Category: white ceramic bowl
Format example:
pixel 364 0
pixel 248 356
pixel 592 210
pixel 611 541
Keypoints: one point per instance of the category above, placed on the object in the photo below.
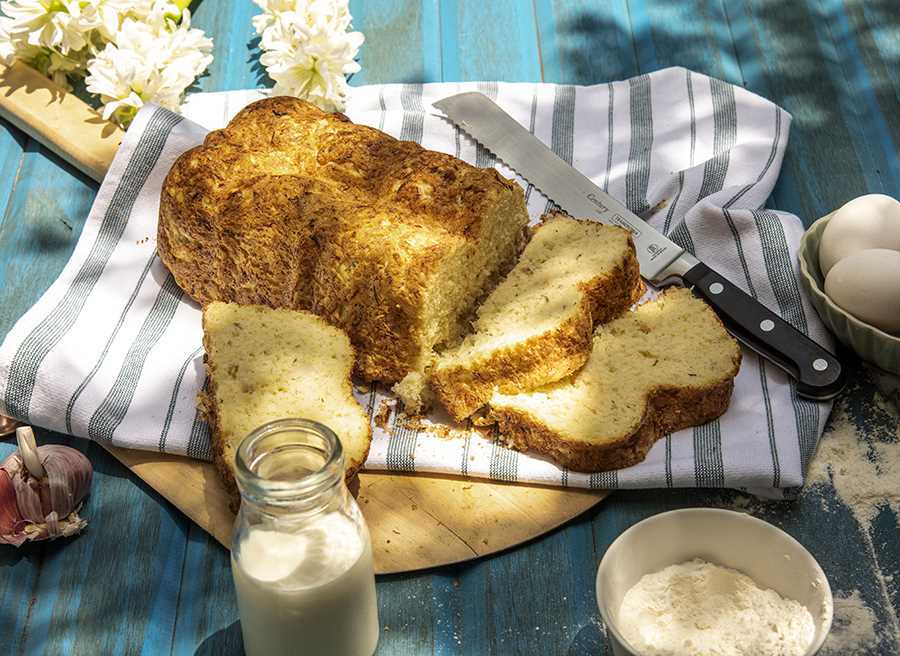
pixel 876 346
pixel 766 554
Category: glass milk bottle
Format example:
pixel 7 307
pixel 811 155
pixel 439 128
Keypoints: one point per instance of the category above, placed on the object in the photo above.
pixel 301 557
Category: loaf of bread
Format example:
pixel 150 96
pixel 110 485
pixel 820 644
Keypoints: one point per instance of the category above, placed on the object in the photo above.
pixel 667 365
pixel 536 326
pixel 265 364
pixel 291 207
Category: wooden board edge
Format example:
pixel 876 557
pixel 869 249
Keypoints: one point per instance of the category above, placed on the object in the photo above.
pixel 203 500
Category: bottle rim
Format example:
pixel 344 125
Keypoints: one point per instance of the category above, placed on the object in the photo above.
pixel 275 491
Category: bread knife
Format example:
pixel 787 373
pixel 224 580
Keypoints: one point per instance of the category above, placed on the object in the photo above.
pixel 817 371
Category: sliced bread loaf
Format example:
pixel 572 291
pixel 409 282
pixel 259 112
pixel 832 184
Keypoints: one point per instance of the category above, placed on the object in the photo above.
pixel 536 326
pixel 293 207
pixel 266 364
pixel 667 365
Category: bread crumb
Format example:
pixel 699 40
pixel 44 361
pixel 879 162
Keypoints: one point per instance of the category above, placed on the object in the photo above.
pixel 383 415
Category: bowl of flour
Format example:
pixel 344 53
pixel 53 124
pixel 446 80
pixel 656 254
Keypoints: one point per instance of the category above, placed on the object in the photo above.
pixel 711 582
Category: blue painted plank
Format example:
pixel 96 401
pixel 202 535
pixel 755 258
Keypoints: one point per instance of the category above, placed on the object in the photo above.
pixel 858 98
pixel 41 223
pixel 235 46
pixel 12 149
pixel 489 41
pixel 404 611
pixel 402 43
pixel 827 158
pixel 585 42
pixel 179 581
pixel 460 608
pixel 206 609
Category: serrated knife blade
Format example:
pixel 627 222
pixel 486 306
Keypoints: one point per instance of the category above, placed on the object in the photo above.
pixel 496 130
pixel 817 371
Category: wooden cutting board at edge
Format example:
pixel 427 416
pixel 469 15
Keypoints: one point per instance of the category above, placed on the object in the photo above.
pixel 416 521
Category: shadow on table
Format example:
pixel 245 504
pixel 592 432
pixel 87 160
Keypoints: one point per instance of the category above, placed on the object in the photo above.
pixel 831 68
pixel 224 642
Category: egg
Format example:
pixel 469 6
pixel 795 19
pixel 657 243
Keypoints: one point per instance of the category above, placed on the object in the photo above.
pixel 867 285
pixel 871 221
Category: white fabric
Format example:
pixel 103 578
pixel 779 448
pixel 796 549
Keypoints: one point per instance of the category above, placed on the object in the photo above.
pixel 112 351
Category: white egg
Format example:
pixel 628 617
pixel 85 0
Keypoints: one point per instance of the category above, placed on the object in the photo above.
pixel 871 221
pixel 867 285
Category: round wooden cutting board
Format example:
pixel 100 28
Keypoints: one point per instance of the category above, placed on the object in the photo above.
pixel 421 521
pixel 416 521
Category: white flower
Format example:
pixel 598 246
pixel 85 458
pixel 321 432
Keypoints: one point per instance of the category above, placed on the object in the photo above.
pixel 62 25
pixel 271 10
pixel 307 50
pixel 8 47
pixel 152 60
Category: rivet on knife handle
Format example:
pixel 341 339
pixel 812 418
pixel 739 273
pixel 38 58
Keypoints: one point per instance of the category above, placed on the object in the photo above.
pixel 818 372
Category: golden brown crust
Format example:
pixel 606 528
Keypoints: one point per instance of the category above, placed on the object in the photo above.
pixel 291 207
pixel 546 358
pixel 207 406
pixel 667 409
pixel 541 359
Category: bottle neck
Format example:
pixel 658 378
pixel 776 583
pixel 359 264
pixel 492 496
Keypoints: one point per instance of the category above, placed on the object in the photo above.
pixel 291 467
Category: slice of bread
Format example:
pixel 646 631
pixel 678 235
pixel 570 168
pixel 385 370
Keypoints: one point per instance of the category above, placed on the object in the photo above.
pixel 536 326
pixel 265 364
pixel 667 365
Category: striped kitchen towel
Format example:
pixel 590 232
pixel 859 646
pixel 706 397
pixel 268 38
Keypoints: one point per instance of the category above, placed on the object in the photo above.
pixel 112 351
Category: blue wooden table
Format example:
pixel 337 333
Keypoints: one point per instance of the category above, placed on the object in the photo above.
pixel 143 579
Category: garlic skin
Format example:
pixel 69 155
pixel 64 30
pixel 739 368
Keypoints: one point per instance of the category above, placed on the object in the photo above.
pixel 44 508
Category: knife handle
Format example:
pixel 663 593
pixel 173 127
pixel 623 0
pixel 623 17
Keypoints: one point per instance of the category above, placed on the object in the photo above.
pixel 817 371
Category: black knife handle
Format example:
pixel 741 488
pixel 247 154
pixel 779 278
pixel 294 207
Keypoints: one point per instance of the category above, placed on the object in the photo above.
pixel 817 371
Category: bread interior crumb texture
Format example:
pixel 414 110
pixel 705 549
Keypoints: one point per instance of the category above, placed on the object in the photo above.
pixel 267 364
pixel 544 287
pixel 674 342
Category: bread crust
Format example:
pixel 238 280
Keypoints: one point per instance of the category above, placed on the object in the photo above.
pixel 291 207
pixel 666 409
pixel 545 358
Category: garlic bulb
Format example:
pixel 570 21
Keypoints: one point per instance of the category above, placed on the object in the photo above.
pixel 41 490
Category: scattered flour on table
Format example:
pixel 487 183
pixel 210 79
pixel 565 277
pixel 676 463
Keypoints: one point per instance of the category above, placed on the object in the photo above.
pixel 864 474
pixel 853 631
pixel 701 609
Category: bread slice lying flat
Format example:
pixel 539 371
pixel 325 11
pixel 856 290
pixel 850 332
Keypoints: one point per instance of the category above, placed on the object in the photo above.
pixel 265 364
pixel 667 365
pixel 536 326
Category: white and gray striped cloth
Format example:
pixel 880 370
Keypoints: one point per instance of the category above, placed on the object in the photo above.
pixel 112 351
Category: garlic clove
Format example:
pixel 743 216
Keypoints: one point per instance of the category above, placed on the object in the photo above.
pixel 44 506
pixel 11 522
pixel 28 451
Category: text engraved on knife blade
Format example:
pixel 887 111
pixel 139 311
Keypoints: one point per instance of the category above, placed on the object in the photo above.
pixel 654 250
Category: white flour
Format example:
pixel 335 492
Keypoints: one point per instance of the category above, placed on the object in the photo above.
pixel 701 609
pixel 864 474
pixel 853 631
